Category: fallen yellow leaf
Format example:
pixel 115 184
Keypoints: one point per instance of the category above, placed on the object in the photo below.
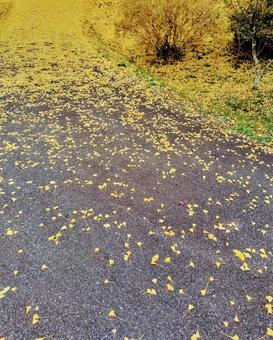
pixel 235 337
pixel 181 291
pixel 236 319
pixel 196 336
pixel 154 259
pixel 203 292
pixel 190 307
pixel 169 287
pixel 112 314
pixel 4 292
pixel 269 331
pixel 269 308
pixel 35 318
pixel 148 199
pixel 248 297
pixel 244 267
pixel 269 298
pixel 27 309
pixel 218 264
pixel 239 254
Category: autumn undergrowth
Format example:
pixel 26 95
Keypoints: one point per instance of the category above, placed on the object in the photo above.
pixel 214 87
pixel 226 96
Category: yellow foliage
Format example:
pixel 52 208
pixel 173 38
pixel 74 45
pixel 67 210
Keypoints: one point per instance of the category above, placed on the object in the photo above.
pixel 205 79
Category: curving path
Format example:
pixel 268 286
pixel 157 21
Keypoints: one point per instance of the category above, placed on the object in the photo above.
pixel 121 216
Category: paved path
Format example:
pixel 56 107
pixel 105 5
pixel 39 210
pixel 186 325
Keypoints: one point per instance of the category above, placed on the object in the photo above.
pixel 121 217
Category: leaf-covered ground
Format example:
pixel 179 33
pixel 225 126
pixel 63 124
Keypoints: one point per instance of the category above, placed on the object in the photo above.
pixel 122 217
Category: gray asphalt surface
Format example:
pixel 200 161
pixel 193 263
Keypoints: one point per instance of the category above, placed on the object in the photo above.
pixel 100 177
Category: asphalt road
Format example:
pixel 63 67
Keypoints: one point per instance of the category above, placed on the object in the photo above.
pixel 122 216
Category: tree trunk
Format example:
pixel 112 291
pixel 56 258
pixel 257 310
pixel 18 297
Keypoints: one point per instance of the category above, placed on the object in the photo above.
pixel 257 63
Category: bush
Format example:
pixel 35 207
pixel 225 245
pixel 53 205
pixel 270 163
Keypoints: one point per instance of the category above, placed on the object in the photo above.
pixel 169 29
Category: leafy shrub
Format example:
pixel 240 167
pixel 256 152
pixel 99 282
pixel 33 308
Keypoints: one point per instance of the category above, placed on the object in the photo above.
pixel 169 29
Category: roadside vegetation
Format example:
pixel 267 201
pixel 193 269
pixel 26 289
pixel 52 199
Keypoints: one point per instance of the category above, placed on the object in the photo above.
pixel 216 54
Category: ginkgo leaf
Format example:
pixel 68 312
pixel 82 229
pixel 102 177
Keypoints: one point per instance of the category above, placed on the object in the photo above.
pixel 4 292
pixel 112 314
pixel 218 264
pixel 10 232
pixel 172 171
pixel 169 287
pixel 244 267
pixel 35 318
pixel 167 260
pixel 249 298
pixel 27 309
pixel 196 336
pixel 190 307
pixel 191 264
pixel 148 199
pixel 151 291
pixel 44 266
pixel 239 254
pixel 235 337
pixel 203 292
pixel 154 259
pixel 236 319
pixel 269 298
pixel 212 237
pixel 127 255
pixel 269 332
pixel 269 308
